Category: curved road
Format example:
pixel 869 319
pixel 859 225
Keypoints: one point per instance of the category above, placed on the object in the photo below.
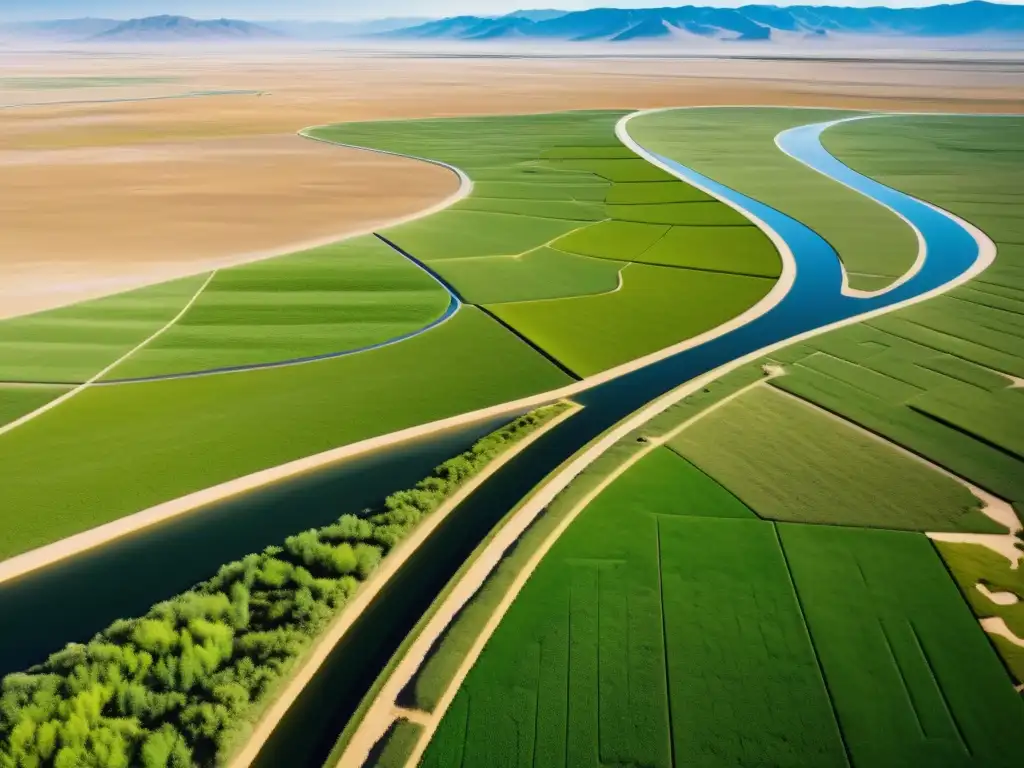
pixel 87 592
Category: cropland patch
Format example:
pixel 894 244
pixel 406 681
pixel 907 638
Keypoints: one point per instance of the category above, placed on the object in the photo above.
pixel 632 628
pixel 334 299
pixel 911 675
pixel 736 147
pixel 789 461
pixel 248 421
pixel 655 308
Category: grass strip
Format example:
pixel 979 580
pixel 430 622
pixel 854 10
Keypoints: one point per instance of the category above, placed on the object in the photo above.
pixel 397 745
pixel 182 685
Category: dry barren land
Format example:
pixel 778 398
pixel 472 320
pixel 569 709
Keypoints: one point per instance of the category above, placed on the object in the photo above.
pixel 111 181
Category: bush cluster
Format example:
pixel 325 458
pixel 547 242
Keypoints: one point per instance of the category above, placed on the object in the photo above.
pixel 182 685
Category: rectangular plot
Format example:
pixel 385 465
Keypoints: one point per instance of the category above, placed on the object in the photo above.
pixel 745 688
pixel 620 240
pixel 911 674
pixel 584 667
pixel 744 250
pixel 551 209
pixel 619 170
pixel 996 418
pixel 548 190
pixel 709 214
pixel 640 193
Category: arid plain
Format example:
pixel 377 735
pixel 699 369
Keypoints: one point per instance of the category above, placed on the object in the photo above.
pixel 128 167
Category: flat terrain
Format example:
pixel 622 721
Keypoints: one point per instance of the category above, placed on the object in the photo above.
pixel 668 626
pixel 793 463
pixel 107 195
pixel 736 147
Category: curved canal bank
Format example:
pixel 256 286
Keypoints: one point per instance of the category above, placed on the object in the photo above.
pixel 162 556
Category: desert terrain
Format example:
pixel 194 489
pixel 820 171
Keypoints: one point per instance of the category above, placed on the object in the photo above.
pixel 129 167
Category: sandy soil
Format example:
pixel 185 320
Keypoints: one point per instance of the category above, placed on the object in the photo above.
pixel 999 598
pixel 181 182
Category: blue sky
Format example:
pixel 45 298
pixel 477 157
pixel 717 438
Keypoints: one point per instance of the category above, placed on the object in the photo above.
pixel 345 9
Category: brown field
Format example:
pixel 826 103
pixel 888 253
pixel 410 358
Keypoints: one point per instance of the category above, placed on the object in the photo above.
pixel 101 196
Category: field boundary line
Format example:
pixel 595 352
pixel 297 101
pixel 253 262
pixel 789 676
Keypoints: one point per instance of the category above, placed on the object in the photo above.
pixel 52 553
pixel 375 723
pixel 97 376
pixel 368 590
pixel 996 509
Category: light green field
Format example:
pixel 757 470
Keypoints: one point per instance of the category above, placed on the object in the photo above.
pixel 630 644
pixel 788 461
pixel 162 440
pixel 543 273
pixel 736 147
pixel 623 240
pixel 971 565
pixel 656 308
pixel 911 674
pixel 16 401
pixel 332 299
pixel 73 344
pixel 700 214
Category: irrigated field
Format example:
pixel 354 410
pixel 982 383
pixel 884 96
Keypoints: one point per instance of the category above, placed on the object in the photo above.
pixel 545 215
pixel 735 146
pixel 655 308
pixel 645 638
pixel 668 627
pixel 164 439
pixel 539 178
pixel 334 299
pixel 912 677
pixel 938 377
pixel 791 462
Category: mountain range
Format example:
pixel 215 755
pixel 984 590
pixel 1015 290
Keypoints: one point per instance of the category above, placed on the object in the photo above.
pixel 977 19
pixel 751 22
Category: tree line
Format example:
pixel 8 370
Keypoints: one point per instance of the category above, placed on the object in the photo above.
pixel 182 685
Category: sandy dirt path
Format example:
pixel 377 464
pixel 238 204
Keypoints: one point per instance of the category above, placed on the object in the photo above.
pixel 384 710
pixel 366 593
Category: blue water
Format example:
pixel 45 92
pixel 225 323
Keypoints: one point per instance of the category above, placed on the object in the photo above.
pixel 816 298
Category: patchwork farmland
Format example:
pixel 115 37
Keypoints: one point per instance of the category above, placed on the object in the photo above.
pixel 745 540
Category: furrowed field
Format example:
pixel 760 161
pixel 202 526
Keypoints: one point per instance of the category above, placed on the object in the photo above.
pixel 791 462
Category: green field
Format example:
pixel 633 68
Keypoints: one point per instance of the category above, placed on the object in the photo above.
pixel 159 437
pixel 18 400
pixel 332 299
pixel 543 273
pixel 912 676
pixel 655 308
pixel 971 565
pixel 73 344
pixel 736 147
pixel 628 644
pixel 936 377
pixel 536 205
pixel 791 462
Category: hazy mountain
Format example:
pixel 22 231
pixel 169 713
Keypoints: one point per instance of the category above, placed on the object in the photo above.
pixel 61 29
pixel 536 15
pixel 182 28
pixel 335 30
pixel 752 22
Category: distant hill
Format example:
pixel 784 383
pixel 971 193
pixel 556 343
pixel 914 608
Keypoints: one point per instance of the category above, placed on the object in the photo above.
pixel 751 22
pixel 60 29
pixel 182 28
pixel 336 30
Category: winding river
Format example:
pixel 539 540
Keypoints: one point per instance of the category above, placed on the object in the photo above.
pixel 72 600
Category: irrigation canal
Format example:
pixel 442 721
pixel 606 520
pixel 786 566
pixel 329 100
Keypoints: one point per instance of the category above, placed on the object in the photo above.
pixel 74 599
